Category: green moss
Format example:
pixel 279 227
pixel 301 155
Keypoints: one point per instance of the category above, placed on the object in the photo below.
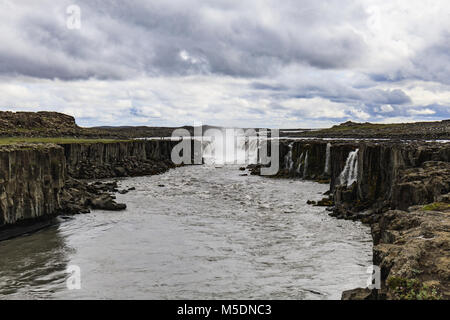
pixel 436 206
pixel 62 140
pixel 411 289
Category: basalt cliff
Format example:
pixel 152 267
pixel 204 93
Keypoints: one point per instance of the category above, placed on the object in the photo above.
pixel 402 190
pixel 40 181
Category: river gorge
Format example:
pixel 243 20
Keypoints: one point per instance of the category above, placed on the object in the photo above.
pixel 220 231
pixel 195 232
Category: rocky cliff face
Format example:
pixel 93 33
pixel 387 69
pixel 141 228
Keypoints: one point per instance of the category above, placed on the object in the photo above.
pixel 391 175
pixel 118 159
pixel 40 180
pixel 386 175
pixel 31 179
pixel 402 189
pixel 304 159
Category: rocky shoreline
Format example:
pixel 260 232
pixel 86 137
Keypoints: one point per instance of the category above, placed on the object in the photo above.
pixel 41 181
pixel 402 191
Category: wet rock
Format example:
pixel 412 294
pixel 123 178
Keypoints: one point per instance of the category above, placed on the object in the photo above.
pixel 255 169
pixel 325 202
pixel 120 171
pixel 105 202
pixel 79 197
pixel 359 294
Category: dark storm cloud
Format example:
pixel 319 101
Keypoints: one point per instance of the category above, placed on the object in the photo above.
pixel 122 39
pixel 432 64
pixel 345 58
pixel 264 86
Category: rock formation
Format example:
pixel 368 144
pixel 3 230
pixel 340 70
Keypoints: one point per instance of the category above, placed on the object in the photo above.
pixel 31 179
pixel 39 181
pixel 118 159
pixel 402 190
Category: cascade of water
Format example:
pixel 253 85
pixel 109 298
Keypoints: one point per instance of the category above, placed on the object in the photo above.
pixel 228 149
pixel 305 168
pixel 327 159
pixel 252 150
pixel 350 173
pixel 300 160
pixel 208 151
pixel 289 164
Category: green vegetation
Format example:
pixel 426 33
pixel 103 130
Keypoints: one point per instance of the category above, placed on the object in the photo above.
pixel 62 140
pixel 412 289
pixel 437 206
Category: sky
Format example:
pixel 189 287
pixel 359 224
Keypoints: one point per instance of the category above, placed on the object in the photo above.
pixel 252 63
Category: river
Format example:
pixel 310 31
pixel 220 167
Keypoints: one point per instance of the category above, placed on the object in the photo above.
pixel 195 232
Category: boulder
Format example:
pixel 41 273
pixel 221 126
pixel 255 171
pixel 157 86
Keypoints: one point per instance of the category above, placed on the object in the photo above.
pixel 359 294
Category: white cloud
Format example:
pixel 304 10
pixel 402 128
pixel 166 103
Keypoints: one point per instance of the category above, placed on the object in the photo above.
pixel 421 111
pixel 252 63
pixel 386 108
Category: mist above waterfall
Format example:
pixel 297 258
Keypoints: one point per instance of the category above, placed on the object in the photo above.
pixel 230 146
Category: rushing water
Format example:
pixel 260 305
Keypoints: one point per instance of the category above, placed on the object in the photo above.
pixel 195 232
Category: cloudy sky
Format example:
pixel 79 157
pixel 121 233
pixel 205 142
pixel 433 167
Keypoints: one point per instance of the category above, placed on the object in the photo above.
pixel 268 63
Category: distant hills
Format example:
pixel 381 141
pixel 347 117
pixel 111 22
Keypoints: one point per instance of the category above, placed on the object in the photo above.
pixel 55 124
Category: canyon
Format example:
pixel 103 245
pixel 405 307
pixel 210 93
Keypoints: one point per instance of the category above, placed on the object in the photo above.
pixel 40 181
pixel 400 188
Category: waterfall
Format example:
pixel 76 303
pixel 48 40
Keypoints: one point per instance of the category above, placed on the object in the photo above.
pixel 208 151
pixel 251 150
pixel 327 159
pixel 299 167
pixel 350 172
pixel 289 164
pixel 230 149
pixel 305 168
